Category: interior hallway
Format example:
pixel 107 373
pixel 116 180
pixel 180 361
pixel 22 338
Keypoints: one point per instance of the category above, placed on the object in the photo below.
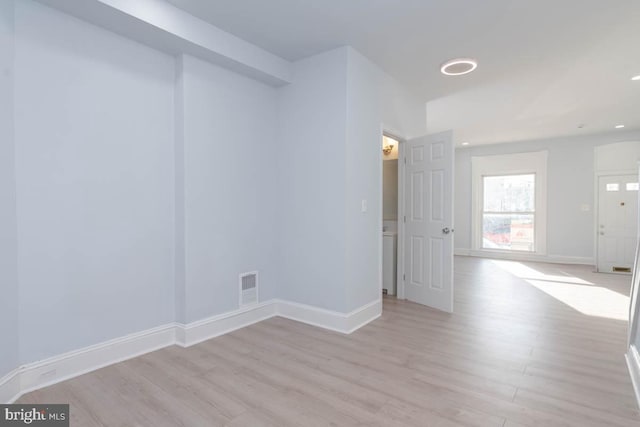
pixel 529 344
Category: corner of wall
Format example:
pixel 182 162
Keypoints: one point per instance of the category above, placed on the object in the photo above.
pixel 311 175
pixel 179 196
pixel 9 302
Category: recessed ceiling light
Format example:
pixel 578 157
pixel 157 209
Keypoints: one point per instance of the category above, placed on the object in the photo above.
pixel 619 126
pixel 458 66
pixel 635 78
pixel 465 143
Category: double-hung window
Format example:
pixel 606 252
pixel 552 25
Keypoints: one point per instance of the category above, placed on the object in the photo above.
pixel 509 212
pixel 509 203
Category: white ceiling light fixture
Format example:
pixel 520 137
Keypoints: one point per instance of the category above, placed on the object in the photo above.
pixel 465 143
pixel 635 78
pixel 458 66
pixel 619 126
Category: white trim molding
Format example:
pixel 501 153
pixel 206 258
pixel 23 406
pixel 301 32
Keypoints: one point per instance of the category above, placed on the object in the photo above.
pixel 205 329
pixel 10 387
pixel 525 256
pixel 74 363
pixel 59 368
pixel 345 323
pixel 633 362
pixel 363 315
pixel 510 164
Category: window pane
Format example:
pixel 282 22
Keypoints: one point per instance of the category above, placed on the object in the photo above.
pixel 632 186
pixel 511 193
pixel 613 187
pixel 508 231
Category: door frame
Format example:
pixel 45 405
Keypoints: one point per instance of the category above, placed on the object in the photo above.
pixel 596 207
pixel 402 162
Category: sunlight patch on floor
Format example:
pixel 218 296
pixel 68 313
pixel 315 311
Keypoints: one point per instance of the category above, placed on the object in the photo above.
pixel 589 300
pixel 579 294
pixel 525 272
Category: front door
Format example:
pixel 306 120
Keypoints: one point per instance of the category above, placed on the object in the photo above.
pixel 428 240
pixel 617 223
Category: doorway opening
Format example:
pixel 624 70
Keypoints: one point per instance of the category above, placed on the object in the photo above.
pixel 421 225
pixel 390 209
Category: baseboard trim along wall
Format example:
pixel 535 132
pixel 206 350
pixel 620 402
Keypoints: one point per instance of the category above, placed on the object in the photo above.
pixel 554 259
pixel 59 368
pixel 633 362
pixel 10 387
pixel 205 329
pixel 345 323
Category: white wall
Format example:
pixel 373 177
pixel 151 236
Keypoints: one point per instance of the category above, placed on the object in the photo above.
pixel 179 250
pixel 331 120
pixel 570 177
pixel 610 159
pixel 94 163
pixel 170 29
pixel 311 173
pixel 375 103
pixel 363 180
pixel 145 184
pixel 8 239
pixel 230 193
pixel 403 113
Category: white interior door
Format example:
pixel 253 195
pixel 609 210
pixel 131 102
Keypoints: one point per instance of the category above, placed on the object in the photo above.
pixel 617 223
pixel 428 239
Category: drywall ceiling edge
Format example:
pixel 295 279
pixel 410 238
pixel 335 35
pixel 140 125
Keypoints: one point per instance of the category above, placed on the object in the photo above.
pixel 162 26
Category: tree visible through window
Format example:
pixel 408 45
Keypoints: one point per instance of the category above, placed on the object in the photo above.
pixel 508 213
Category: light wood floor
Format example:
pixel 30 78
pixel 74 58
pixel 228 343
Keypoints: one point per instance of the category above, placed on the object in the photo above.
pixel 511 355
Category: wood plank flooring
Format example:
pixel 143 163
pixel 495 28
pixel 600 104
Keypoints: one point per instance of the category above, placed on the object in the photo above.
pixel 511 355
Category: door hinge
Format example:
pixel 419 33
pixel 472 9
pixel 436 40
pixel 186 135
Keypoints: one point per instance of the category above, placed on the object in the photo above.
pixel 405 160
pixel 404 277
pixel 404 219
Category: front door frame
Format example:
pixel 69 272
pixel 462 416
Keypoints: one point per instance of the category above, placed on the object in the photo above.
pixel 596 205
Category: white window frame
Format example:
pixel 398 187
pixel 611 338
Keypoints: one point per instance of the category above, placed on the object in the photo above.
pixel 532 213
pixel 510 164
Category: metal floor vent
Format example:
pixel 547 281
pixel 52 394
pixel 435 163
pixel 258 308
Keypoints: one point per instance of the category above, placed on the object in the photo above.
pixel 621 270
pixel 248 288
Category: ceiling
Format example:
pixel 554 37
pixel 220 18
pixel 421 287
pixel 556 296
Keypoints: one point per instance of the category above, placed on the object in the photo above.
pixel 545 66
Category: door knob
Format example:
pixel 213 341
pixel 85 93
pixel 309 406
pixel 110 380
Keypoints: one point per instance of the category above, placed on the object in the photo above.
pixel 446 230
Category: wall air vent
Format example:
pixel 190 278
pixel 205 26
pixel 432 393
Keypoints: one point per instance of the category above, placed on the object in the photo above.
pixel 248 288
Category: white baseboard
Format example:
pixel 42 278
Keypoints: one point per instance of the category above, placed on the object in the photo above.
pixel 10 387
pixel 527 257
pixel 75 363
pixel 633 362
pixel 202 330
pixel 50 371
pixel 345 323
pixel 363 315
